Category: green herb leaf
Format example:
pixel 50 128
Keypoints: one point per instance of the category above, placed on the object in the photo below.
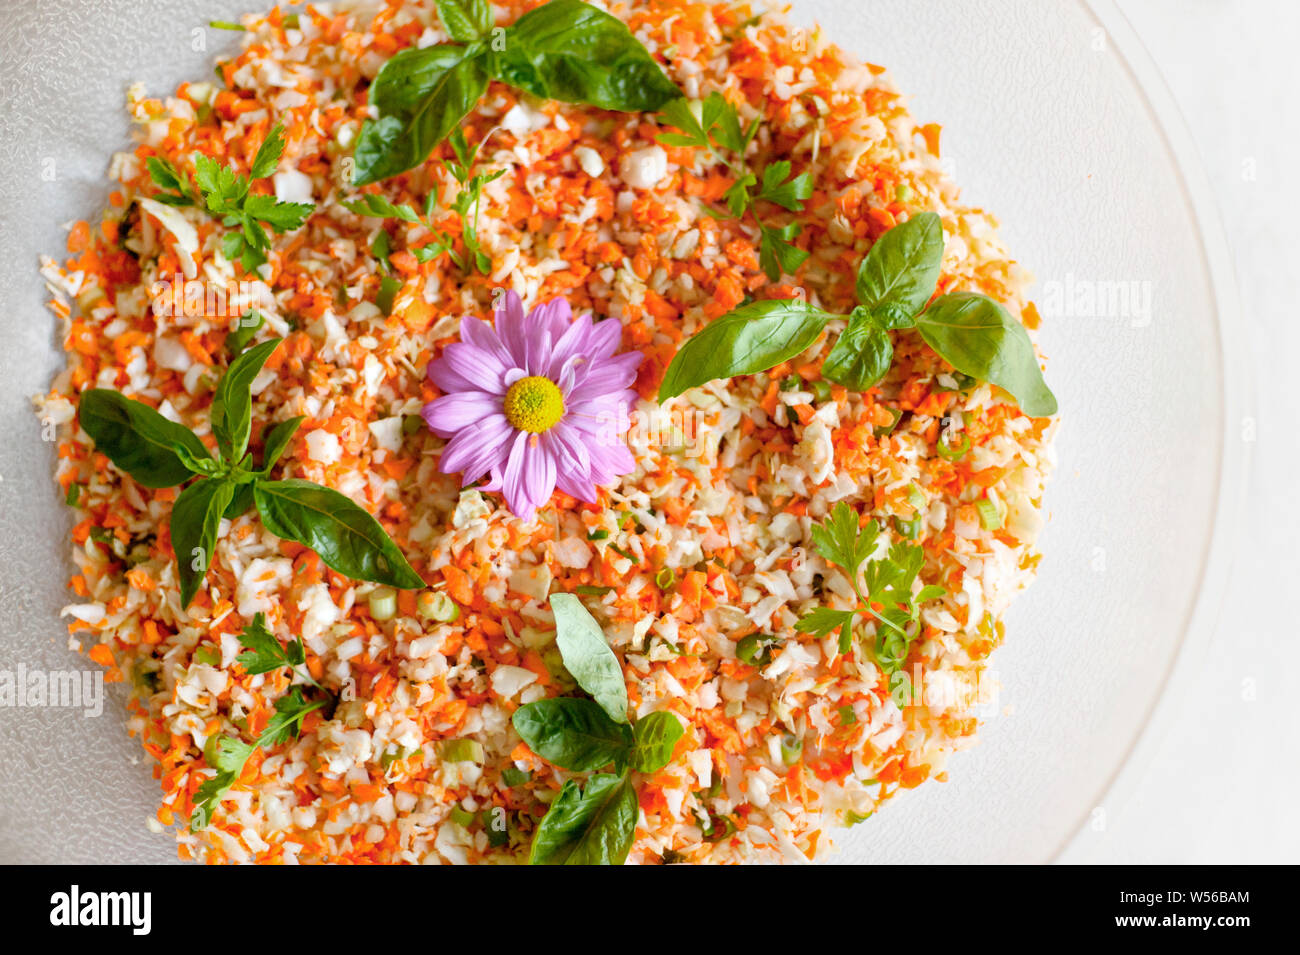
pixel 655 736
pixel 344 534
pixel 594 826
pixel 978 337
pixel 587 655
pixel 176 186
pixel 839 540
pixel 268 155
pixel 231 412
pixel 421 96
pixel 751 339
pixel 574 734
pixel 227 755
pixel 900 272
pixel 138 439
pixel 285 725
pixel 263 651
pixel 787 194
pixel 572 51
pixel 196 517
pixel 249 325
pixel 277 439
pixel 465 20
pixel 861 355
pixel 777 255
pixel 822 620
pixel 375 205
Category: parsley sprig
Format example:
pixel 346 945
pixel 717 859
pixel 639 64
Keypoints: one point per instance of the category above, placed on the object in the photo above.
pixel 229 754
pixel 718 130
pixel 228 196
pixel 885 582
pixel 466 205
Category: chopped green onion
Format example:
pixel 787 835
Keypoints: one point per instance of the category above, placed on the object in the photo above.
pixel 461 817
pixel 791 383
pixel 990 519
pixel 821 389
pixel 755 649
pixel 388 288
pixel 513 776
pixel 462 751
pixel 599 534
pixel 950 453
pixel 909 528
pixel 665 578
pixel 411 424
pixel 847 716
pixel 590 590
pixel 291 21
pixel 225 25
pixel 900 688
pixel 888 428
pixel 435 605
pixel 383 603
pixel 791 749
pixel 209 655
pixel 852 818
pixel 496 837
pixel 916 497
pixel 74 495
pixel 902 192
pixel 622 553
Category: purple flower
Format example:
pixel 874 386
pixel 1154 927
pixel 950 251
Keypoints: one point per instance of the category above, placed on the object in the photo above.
pixel 537 403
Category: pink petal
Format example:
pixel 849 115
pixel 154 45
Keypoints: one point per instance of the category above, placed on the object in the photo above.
pixel 572 464
pixel 605 376
pixel 512 481
pixel 476 449
pixel 569 345
pixel 481 335
pixel 447 415
pixel 510 327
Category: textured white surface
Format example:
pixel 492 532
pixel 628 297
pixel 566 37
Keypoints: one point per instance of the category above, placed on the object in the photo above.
pixel 1221 786
pixel 1042 124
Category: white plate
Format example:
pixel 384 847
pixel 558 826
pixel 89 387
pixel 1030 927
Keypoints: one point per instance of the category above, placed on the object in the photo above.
pixel 1052 117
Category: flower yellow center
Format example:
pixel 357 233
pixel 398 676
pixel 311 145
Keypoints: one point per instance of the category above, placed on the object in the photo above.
pixel 534 404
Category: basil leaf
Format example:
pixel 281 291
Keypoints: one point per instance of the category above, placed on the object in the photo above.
pixel 421 95
pixel 277 439
pixel 241 502
pixel 465 20
pixel 231 411
pixel 344 534
pixel 573 734
pixel 247 326
pixel 751 339
pixel 978 337
pixel 587 655
pixel 196 517
pixel 901 270
pixel 591 827
pixel 655 736
pixel 862 354
pixel 571 51
pixel 138 439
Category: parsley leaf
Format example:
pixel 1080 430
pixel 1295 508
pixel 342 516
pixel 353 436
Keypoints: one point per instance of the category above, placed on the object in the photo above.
pixel 888 580
pixel 226 196
pixel 264 652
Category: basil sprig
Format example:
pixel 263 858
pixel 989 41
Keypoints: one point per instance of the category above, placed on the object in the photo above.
pixel 594 825
pixel 159 453
pixel 970 331
pixel 566 50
